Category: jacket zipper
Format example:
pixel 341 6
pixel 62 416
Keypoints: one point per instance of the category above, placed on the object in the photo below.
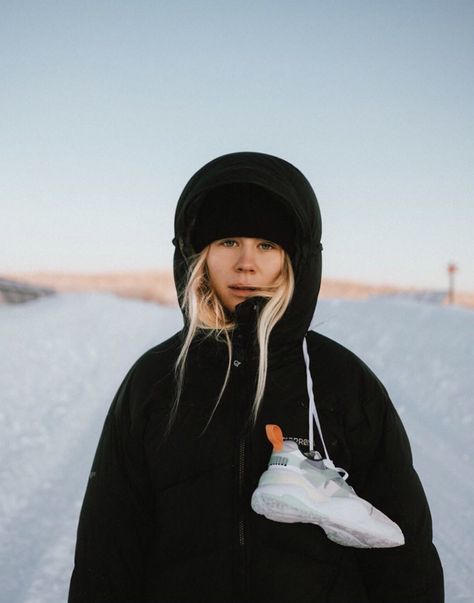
pixel 241 486
pixel 243 587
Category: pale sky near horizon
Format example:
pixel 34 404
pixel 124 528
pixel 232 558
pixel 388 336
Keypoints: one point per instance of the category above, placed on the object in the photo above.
pixel 108 107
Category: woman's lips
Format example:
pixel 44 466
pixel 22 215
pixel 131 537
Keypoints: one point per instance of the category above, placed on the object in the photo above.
pixel 241 290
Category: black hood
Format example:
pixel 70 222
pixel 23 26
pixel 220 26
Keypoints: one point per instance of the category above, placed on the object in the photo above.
pixel 288 183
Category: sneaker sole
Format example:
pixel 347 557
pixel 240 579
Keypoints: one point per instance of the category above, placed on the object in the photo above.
pixel 346 521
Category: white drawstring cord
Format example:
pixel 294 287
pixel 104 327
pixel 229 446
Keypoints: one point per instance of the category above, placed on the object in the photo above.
pixel 312 411
pixel 313 415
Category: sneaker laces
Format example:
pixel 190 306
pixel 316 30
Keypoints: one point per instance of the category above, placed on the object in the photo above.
pixel 313 417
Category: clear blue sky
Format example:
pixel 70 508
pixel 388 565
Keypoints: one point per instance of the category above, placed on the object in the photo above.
pixel 108 107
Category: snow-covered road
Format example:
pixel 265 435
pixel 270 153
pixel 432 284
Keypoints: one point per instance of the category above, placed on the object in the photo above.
pixel 62 359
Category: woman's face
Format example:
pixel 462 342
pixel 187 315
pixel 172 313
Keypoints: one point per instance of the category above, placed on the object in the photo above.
pixel 242 267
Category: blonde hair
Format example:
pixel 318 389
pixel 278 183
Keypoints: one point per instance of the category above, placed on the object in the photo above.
pixel 205 312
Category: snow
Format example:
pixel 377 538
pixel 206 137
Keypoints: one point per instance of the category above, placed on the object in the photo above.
pixel 63 357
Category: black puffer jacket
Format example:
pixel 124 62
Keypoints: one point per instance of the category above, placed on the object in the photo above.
pixel 168 518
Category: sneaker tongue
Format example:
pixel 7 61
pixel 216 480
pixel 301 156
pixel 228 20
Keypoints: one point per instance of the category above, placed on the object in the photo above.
pixel 290 445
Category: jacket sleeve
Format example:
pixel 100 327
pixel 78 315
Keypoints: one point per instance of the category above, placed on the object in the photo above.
pixel 116 521
pixel 410 573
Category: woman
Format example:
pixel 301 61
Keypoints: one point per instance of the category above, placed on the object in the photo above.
pixel 167 515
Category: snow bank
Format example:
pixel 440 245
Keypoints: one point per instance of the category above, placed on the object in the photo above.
pixel 62 359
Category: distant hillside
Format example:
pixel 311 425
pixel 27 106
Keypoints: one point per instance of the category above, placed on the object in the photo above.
pixel 158 286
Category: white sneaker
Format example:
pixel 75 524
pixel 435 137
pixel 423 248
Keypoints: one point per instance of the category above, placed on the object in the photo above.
pixel 296 488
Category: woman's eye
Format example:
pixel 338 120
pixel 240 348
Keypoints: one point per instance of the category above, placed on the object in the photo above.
pixel 266 246
pixel 228 242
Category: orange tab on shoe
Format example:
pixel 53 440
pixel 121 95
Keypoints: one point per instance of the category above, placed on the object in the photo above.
pixel 275 435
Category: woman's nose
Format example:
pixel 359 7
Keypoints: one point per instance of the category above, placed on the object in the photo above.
pixel 245 261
